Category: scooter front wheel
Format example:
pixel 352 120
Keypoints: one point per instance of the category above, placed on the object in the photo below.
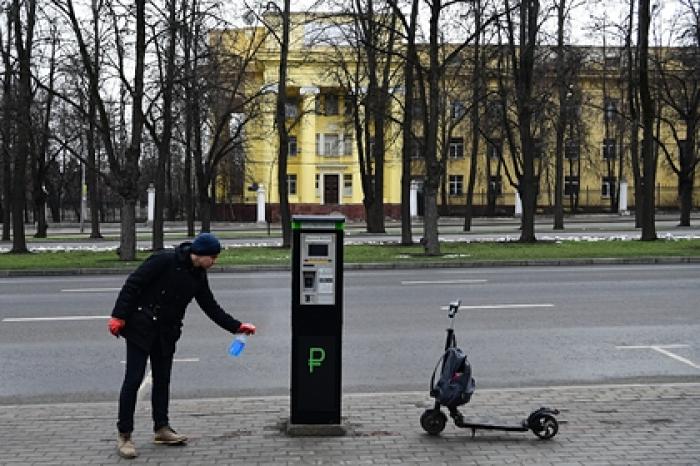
pixel 433 421
pixel 545 426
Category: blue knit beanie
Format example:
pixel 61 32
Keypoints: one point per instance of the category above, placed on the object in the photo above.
pixel 206 244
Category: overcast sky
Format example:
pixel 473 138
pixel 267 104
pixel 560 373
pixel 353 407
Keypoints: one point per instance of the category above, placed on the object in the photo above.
pixel 582 21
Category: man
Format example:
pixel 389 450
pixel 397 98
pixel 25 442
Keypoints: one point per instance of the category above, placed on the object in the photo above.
pixel 148 314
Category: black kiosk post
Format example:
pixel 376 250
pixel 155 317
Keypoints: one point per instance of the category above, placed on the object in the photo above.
pixel 317 324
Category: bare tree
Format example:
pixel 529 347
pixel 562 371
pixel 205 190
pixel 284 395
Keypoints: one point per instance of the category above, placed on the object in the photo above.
pixel 431 84
pixel 24 23
pixel 408 138
pixel 478 97
pixel 124 169
pixel 41 154
pixel 680 91
pixel 162 139
pixel 368 80
pixel 517 69
pixel 91 135
pixel 7 128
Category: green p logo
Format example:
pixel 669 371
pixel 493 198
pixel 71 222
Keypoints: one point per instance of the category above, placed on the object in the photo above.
pixel 316 357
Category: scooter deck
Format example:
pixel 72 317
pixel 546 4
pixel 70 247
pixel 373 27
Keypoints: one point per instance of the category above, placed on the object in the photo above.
pixel 491 424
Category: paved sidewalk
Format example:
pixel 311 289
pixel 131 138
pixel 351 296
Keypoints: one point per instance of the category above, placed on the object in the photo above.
pixel 613 424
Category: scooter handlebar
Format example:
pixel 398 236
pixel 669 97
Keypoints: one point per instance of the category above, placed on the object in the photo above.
pixel 453 308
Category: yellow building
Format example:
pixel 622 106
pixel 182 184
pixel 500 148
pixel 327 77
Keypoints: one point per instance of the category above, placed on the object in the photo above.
pixel 323 171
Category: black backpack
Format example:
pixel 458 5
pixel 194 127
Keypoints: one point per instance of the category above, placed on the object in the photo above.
pixel 456 384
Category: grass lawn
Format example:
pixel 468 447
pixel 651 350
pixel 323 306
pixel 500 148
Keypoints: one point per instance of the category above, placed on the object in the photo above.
pixel 451 252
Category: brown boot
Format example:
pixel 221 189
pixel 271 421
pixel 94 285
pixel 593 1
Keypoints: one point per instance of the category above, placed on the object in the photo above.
pixel 125 446
pixel 166 435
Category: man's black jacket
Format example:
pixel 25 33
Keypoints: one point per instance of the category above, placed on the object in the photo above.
pixel 154 298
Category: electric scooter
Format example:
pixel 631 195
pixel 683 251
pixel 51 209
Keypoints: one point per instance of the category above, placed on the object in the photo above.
pixel 542 422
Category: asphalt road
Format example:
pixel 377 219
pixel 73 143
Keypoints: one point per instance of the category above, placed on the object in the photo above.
pixel 526 326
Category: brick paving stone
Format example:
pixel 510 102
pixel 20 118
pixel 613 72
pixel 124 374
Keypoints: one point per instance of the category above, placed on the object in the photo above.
pixel 601 425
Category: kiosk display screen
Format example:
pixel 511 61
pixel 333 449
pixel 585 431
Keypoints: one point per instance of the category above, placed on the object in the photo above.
pixel 318 250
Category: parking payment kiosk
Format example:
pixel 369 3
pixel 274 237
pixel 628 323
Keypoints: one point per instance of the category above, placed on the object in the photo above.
pixel 317 320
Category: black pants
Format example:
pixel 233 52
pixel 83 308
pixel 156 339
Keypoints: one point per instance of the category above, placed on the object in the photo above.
pixel 161 366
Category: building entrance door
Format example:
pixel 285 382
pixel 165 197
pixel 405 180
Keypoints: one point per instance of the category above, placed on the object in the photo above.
pixel 330 189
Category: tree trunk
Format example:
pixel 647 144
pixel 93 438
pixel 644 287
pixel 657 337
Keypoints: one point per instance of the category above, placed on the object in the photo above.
pixel 6 130
pixel 92 136
pixel 22 150
pixel 686 177
pixel 407 133
pixel 476 103
pixel 647 106
pixel 431 243
pixel 127 223
pixel 204 212
pixel 433 169
pixel 166 134
pixel 283 139
pixel 528 182
pixel 561 121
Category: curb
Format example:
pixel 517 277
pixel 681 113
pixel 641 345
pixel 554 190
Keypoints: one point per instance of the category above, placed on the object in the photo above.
pixel 382 266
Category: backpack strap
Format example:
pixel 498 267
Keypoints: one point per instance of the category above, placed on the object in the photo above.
pixel 437 364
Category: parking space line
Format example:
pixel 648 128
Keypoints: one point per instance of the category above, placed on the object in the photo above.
pixel 500 306
pixel 51 319
pixel 664 349
pixel 90 290
pixel 441 282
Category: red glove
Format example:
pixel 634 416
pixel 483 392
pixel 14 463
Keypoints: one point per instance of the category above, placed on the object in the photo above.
pixel 115 326
pixel 248 329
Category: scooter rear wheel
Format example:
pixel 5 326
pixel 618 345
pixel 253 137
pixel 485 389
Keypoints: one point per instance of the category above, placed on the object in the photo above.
pixel 433 421
pixel 546 426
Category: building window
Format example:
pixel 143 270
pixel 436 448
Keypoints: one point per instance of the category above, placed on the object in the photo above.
pixel 495 185
pixel 347 184
pixel 609 148
pixel 347 144
pixel 348 107
pixel 331 104
pixel 292 184
pixel 571 185
pixel 494 148
pixel 291 108
pixel 608 186
pixel 457 110
pixel 456 148
pixel 328 144
pixel 610 109
pixel 456 182
pixel 572 150
pixel 292 146
pixel 317 185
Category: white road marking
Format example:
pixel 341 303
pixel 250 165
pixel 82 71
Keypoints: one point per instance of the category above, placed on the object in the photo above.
pixel 90 290
pixel 145 387
pixel 147 384
pixel 441 282
pixel 501 306
pixel 663 349
pixel 52 319
pixel 177 360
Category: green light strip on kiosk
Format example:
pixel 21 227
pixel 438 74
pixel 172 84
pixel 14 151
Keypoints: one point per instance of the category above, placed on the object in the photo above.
pixel 297 225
